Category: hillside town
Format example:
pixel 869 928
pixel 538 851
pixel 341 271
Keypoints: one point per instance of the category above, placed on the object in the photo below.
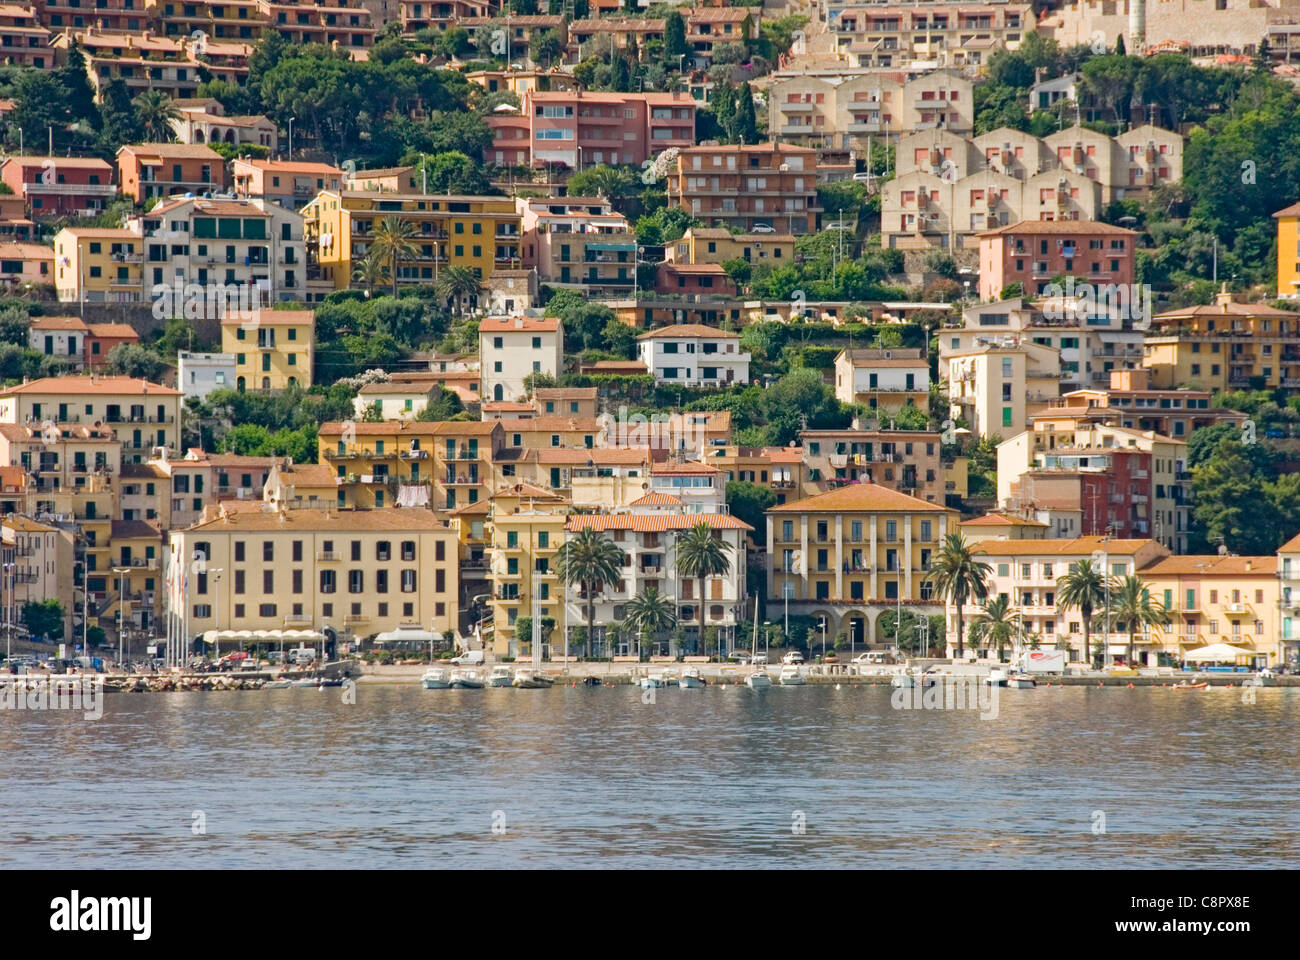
pixel 619 330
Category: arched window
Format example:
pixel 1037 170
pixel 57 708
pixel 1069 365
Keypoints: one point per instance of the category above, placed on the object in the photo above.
pixel 498 393
pixel 239 384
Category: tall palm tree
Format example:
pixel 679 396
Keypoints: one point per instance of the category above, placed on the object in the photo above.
pixel 591 562
pixel 370 270
pixel 997 623
pixel 650 614
pixel 456 284
pixel 1131 604
pixel 393 239
pixel 702 555
pixel 959 577
pixel 154 109
pixel 1083 588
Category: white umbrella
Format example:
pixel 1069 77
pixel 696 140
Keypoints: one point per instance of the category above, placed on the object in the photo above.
pixel 1215 652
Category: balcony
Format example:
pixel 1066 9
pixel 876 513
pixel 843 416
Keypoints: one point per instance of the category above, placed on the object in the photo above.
pixel 327 556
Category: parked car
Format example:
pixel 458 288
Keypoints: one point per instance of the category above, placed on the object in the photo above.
pixel 740 656
pixel 762 228
pixel 760 659
pixel 864 177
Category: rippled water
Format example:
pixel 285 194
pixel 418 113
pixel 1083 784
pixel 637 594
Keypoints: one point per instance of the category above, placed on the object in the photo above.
pixel 594 776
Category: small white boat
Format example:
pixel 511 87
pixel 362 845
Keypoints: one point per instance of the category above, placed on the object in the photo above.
pixel 277 685
pixel 501 676
pixel 791 676
pixel 691 679
pixel 532 680
pixel 996 678
pixel 306 682
pixel 466 680
pixel 435 679
pixel 758 681
pixel 654 681
pixel 1021 681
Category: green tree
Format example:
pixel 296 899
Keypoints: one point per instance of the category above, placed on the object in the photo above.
pixel 133 360
pixel 996 624
pixel 702 555
pixel 801 396
pixel 44 619
pixel 546 47
pixel 457 284
pixel 649 615
pixel 675 37
pixel 80 102
pixel 749 502
pixel 592 563
pixel 155 110
pixel 959 577
pixel 394 240
pixel 745 122
pixel 1131 605
pixel 1082 588
pixel 453 172
pixel 370 270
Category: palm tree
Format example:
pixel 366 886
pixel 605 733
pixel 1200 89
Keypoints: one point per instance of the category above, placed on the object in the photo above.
pixel 456 284
pixel 959 577
pixel 1131 604
pixel 154 109
pixel 393 240
pixel 702 555
pixel 1084 589
pixel 998 624
pixel 592 562
pixel 370 271
pixel 650 614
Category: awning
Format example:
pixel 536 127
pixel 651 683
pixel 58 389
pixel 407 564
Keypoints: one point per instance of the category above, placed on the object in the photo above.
pixel 405 634
pixel 1217 651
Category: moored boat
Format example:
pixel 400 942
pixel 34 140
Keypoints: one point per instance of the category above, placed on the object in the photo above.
pixel 691 679
pixel 791 676
pixel 758 681
pixel 466 680
pixel 653 681
pixel 435 679
pixel 1188 685
pixel 996 678
pixel 1021 681
pixel 501 676
pixel 531 680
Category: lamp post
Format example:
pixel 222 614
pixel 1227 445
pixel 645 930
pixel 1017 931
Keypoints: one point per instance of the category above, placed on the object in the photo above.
pixel 291 119
pixel 121 614
pixel 85 606
pixel 8 605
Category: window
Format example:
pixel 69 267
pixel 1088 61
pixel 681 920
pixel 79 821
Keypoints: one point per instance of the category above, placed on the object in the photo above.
pixel 327 581
pixel 408 581
pixel 356 581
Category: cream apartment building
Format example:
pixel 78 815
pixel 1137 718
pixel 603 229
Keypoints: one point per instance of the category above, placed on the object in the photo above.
pixel 512 348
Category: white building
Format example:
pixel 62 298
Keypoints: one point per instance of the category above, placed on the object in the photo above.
pixel 699 487
pixel 62 337
pixel 256 244
pixel 400 400
pixel 511 348
pixel 885 378
pixel 693 355
pixel 647 534
pixel 198 374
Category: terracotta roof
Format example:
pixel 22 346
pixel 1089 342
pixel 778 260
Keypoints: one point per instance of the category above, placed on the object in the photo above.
pixel 236 460
pixel 1077 547
pixel 1291 546
pixel 1212 565
pixel 26 524
pixel 565 393
pixel 88 384
pixel 784 454
pixel 527 491
pixel 679 330
pixel 653 523
pixel 658 500
pixel 1233 309
pixel 26 251
pixel 483 507
pixel 615 366
pixel 505 406
pixel 401 387
pixel 1291 211
pixel 670 467
pixel 1058 226
pixel 310 475
pixel 550 425
pixel 518 325
pixel 861 498
pixel 284 166
pixel 136 530
pixel 397 519
pixel 171 151
pixel 1000 520
pixel 266 318
pixel 465 428
pixel 59 323
pixel 90 163
pixel 117 330
pixel 611 456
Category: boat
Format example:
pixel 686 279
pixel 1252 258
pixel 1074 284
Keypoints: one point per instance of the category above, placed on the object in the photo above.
pixel 466 680
pixel 501 676
pixel 653 681
pixel 1188 685
pixel 902 680
pixel 531 680
pixel 592 682
pixel 996 678
pixel 791 676
pixel 305 682
pixel 691 679
pixel 277 685
pixel 1021 681
pixel 758 681
pixel 330 682
pixel 435 679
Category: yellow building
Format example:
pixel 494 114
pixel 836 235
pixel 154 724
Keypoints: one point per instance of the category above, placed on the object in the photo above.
pixel 1224 346
pixel 526 529
pixel 846 556
pixel 98 265
pixel 144 415
pixel 313 486
pixel 361 571
pixel 135 579
pixel 481 233
pixel 273 348
pixel 715 245
pixel 1288 251
pixel 1216 600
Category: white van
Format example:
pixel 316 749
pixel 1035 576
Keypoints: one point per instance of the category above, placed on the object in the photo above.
pixel 302 655
pixel 472 658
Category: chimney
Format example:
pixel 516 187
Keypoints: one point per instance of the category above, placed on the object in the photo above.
pixel 1248 566
pixel 1223 298
pixel 519 323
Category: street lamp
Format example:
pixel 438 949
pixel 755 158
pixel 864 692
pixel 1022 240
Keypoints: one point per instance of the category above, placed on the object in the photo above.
pixel 121 613
pixel 8 604
pixel 85 606
pixel 291 119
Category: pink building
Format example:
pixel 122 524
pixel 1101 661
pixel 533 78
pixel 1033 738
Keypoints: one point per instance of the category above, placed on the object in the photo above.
pixel 60 186
pixel 580 129
pixel 578 243
pixel 1034 252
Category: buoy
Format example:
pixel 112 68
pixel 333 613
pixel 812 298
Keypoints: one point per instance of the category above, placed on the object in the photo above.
pixel 1130 686
pixel 1100 684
